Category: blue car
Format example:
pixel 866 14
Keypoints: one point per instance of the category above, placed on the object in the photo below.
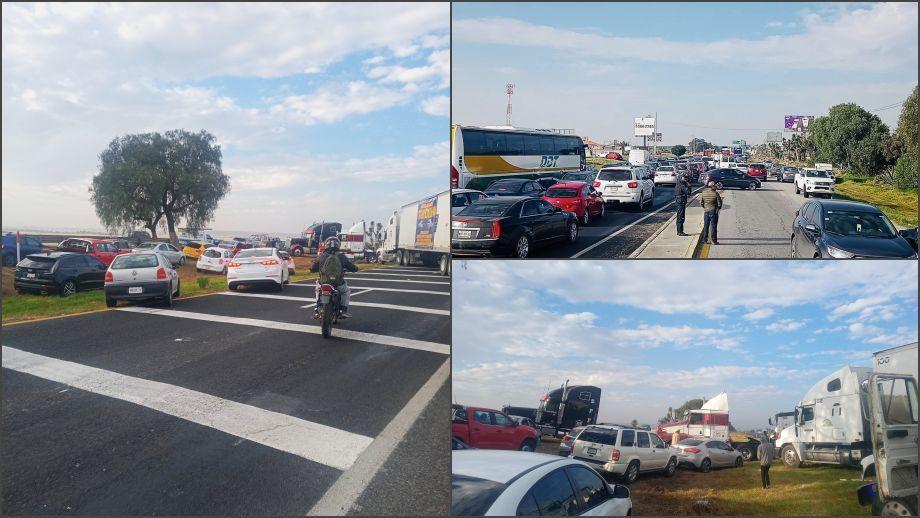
pixel 27 245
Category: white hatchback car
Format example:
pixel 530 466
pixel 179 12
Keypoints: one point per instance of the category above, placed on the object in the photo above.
pixel 141 276
pixel 509 483
pixel 214 259
pixel 626 185
pixel 257 266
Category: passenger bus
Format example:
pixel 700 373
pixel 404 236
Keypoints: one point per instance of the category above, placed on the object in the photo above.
pixel 481 155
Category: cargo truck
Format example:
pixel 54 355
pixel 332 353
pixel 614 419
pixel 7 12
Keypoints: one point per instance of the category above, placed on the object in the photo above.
pixel 710 422
pixel 419 232
pixel 567 407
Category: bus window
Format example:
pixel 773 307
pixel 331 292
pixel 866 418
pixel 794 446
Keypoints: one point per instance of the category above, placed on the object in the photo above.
pixel 532 145
pixel 514 143
pixel 495 143
pixel 546 145
pixel 562 146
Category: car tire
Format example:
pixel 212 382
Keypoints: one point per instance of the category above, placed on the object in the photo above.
pixel 586 218
pixel 572 234
pixel 739 462
pixel 706 466
pixel 68 288
pixel 719 186
pixel 528 445
pixel 746 452
pixel 752 185
pixel 168 299
pixel 232 287
pixel 632 473
pixel 790 457
pixel 178 288
pixel 603 211
pixel 521 247
pixel 797 188
pixel 182 261
pixel 110 302
pixel 671 468
pixel 805 193
pixel 640 207
pixel 297 252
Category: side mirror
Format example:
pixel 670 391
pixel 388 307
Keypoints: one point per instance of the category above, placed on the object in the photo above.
pixel 619 491
pixel 811 228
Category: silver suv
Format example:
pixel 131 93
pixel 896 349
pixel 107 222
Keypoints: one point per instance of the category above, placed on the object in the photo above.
pixel 626 185
pixel 624 452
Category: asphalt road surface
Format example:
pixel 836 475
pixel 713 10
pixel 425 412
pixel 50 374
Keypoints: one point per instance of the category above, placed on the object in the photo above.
pixel 758 223
pixel 234 404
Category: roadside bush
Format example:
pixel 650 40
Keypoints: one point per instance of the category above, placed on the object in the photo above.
pixel 905 174
pixel 203 282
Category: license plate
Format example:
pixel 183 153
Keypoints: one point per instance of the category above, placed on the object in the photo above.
pixel 464 234
pixel 30 275
pixel 613 188
pixel 324 299
pixel 135 290
pixel 592 451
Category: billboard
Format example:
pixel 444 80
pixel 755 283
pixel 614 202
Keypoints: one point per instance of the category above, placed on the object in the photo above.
pixel 775 136
pixel 798 122
pixel 426 223
pixel 644 126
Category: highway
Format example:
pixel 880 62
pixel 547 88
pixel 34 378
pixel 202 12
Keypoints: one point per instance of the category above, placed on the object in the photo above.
pixel 233 404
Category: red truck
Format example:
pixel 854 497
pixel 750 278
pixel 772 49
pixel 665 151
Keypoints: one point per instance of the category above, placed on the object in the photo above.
pixel 490 429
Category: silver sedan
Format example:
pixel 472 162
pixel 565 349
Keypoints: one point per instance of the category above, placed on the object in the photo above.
pixel 175 256
pixel 705 454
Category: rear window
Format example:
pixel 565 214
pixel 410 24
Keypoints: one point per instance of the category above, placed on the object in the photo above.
pixel 128 261
pixel 470 496
pixel 42 263
pixel 145 246
pixel 759 167
pixel 484 209
pixel 615 175
pixel 212 253
pixel 690 442
pixel 505 186
pixel 254 252
pixel 608 437
pixel 666 168
pixel 562 193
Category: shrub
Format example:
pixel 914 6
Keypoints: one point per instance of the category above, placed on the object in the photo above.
pixel 203 282
pixel 905 174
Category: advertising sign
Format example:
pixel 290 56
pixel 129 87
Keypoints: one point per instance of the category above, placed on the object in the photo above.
pixel 798 122
pixel 775 136
pixel 427 223
pixel 644 126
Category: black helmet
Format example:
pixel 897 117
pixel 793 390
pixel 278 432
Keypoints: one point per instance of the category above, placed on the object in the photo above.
pixel 333 244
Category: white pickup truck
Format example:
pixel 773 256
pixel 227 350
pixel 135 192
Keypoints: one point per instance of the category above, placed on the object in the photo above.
pixel 814 182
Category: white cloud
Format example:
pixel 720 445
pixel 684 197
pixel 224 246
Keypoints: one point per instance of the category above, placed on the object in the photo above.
pixel 784 325
pixel 332 104
pixel 759 314
pixel 438 106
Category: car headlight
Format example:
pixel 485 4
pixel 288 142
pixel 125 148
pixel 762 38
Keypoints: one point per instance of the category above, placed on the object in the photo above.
pixel 838 253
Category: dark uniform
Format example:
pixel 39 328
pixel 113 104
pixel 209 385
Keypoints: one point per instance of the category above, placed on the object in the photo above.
pixel 681 195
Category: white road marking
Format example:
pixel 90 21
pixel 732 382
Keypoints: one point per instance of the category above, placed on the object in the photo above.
pixel 416 309
pixel 621 230
pixel 394 341
pixel 396 280
pixel 313 441
pixel 375 273
pixel 266 296
pixel 341 497
pixel 376 288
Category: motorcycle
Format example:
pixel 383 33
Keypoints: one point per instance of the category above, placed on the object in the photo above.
pixel 328 308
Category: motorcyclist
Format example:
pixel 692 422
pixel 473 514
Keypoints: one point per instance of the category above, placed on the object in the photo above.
pixel 328 273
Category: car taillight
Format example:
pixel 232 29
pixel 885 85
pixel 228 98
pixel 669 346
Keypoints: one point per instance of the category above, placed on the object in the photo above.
pixel 614 455
pixel 632 185
pixel 109 277
pixel 692 450
pixel 327 289
pixel 496 229
pixel 454 177
pixel 234 264
pixel 597 184
pixel 161 273
pixel 269 262
pixel 567 438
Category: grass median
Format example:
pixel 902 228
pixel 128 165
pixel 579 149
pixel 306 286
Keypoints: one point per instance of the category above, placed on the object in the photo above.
pixel 898 204
pixel 25 307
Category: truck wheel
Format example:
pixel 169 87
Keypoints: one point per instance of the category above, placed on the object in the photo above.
pixel 746 452
pixel 897 507
pixel 443 265
pixel 297 252
pixel 528 445
pixel 632 473
pixel 400 258
pixel 790 457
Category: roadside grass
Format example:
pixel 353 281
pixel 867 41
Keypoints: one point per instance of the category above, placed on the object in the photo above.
pixel 24 307
pixel 898 204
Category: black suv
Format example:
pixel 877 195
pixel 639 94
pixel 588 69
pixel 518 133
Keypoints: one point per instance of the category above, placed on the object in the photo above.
pixel 63 273
pixel 732 178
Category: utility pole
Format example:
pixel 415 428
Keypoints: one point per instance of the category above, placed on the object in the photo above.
pixel 509 89
pixel 655 136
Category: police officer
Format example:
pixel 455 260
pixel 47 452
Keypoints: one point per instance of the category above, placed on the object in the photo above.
pixel 681 194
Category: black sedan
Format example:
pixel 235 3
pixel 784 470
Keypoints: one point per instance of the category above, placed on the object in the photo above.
pixel 510 226
pixel 515 187
pixel 732 178
pixel 580 176
pixel 845 229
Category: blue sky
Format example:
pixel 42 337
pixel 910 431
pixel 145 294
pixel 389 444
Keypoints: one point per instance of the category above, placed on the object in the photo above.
pixel 719 71
pixel 653 334
pixel 330 111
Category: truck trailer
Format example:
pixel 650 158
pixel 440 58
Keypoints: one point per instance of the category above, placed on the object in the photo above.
pixel 567 407
pixel 711 422
pixel 419 232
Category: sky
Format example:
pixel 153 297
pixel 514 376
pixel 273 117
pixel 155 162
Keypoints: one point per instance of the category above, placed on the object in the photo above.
pixel 654 334
pixel 323 112
pixel 715 71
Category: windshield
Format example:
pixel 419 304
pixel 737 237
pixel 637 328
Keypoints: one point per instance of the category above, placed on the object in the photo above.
pixel 562 193
pixel 254 252
pixel 666 168
pixel 813 173
pixel 471 496
pixel 504 186
pixel 615 175
pixel 484 209
pixel 863 224
pixel 898 397
pixel 576 176
pixel 37 262
pixel 146 246
pixel 124 262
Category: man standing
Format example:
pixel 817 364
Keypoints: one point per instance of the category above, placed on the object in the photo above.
pixel 765 454
pixel 712 204
pixel 681 194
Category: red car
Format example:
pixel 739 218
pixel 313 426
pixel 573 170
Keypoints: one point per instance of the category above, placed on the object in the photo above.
pixel 102 249
pixel 758 171
pixel 577 197
pixel 491 429
pixel 614 156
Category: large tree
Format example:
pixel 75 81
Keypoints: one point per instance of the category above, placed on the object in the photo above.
pixel 678 150
pixel 850 137
pixel 697 145
pixel 175 176
pixel 908 123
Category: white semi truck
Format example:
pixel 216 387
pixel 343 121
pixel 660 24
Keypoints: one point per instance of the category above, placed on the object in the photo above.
pixel 419 232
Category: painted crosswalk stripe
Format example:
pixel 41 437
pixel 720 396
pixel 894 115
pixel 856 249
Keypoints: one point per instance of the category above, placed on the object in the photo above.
pixel 353 302
pixel 377 288
pixel 395 280
pixel 313 441
pixel 375 273
pixel 360 336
